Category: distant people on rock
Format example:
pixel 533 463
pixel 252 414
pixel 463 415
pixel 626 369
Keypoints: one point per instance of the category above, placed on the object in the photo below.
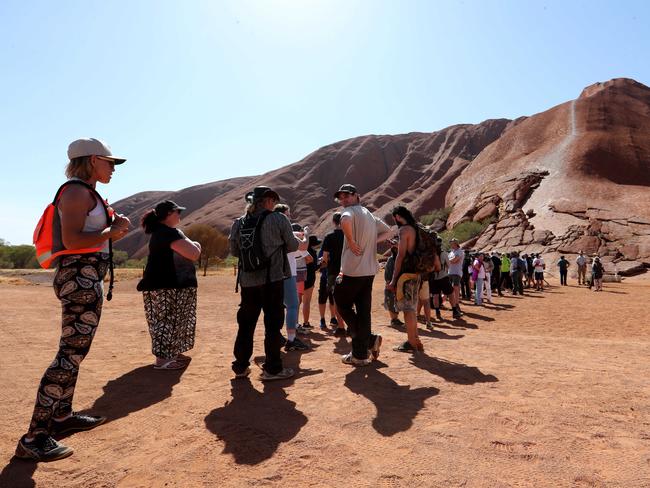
pixel 87 226
pixel 263 269
pixel 457 269
pixel 332 251
pixel 353 291
pixel 406 281
pixel 168 286
pixel 581 263
pixel 563 265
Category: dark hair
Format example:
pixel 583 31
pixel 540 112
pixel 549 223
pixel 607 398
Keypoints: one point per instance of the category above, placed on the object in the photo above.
pixel 405 213
pixel 336 218
pixel 151 219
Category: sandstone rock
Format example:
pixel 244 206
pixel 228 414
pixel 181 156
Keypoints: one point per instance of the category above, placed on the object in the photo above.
pixel 486 211
pixel 630 268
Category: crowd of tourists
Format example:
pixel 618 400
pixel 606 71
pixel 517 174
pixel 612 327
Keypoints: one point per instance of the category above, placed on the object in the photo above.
pixel 280 264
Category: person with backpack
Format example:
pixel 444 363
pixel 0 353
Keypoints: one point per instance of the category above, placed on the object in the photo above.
pixel 332 249
pixel 168 286
pixel 79 230
pixel 353 291
pixel 260 239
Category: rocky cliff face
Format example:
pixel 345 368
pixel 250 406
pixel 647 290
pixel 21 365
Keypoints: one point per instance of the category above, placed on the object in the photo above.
pixel 575 177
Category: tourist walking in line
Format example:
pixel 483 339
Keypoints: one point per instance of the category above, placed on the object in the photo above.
pixel 390 301
pixel 563 264
pixel 538 267
pixel 310 281
pixel 405 281
pixel 353 292
pixel 466 285
pixel 496 272
pixel 517 268
pixel 439 284
pixel 489 267
pixel 324 296
pixel 581 263
pixel 86 226
pixel 262 273
pixel 456 259
pixel 332 251
pixel 597 272
pixel 478 277
pixel 506 282
pixel 168 286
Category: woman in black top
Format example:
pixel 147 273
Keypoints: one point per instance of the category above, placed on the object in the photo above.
pixel 312 266
pixel 169 286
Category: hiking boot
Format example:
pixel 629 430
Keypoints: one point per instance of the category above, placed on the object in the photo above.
pixel 282 375
pixel 405 347
pixel 42 448
pixel 352 361
pixel 339 332
pixel 373 352
pixel 301 330
pixel 396 323
pixel 243 374
pixel 296 345
pixel 77 423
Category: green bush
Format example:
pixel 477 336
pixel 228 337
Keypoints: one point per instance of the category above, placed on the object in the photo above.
pixel 464 231
pixel 438 214
pixel 134 263
pixel 17 257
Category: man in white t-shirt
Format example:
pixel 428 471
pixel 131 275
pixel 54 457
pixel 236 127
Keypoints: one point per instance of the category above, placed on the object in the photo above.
pixel 353 291
pixel 539 266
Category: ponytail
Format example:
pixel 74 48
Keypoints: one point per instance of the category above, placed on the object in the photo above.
pixel 149 221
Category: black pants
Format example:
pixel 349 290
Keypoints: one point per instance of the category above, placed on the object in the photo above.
pixel 465 289
pixel 496 280
pixel 353 297
pixel 505 281
pixel 517 284
pixel 563 277
pixel 254 299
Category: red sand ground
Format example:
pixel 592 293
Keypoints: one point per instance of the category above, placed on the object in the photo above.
pixel 547 390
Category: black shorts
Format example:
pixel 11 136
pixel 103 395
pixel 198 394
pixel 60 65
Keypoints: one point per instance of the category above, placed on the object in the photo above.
pixel 539 276
pixel 442 285
pixel 325 293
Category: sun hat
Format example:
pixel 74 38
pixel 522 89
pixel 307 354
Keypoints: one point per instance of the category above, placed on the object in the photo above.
pixel 346 188
pixel 260 192
pixel 91 147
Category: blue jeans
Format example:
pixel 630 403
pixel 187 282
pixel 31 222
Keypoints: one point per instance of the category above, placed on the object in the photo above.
pixel 291 303
pixel 478 292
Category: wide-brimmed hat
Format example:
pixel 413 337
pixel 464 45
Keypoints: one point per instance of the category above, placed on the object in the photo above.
pixel 346 188
pixel 167 206
pixel 260 192
pixel 91 147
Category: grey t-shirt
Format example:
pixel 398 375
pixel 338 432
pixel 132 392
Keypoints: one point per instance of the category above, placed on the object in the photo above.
pixel 365 228
pixel 456 268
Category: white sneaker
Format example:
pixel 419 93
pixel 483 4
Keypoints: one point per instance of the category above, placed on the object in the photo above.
pixel 351 360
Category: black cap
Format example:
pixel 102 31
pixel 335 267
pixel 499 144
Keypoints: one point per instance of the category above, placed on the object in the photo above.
pixel 260 192
pixel 346 188
pixel 167 206
pixel 314 241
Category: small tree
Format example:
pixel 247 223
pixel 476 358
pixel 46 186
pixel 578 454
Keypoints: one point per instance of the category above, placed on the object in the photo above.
pixel 214 244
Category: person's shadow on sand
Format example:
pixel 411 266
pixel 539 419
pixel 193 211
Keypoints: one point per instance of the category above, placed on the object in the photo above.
pixel 397 405
pixel 253 424
pixel 18 474
pixel 135 390
pixel 450 371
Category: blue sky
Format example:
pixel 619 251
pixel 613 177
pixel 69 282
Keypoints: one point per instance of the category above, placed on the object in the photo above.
pixel 198 91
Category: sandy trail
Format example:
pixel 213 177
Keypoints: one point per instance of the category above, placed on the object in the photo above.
pixel 547 390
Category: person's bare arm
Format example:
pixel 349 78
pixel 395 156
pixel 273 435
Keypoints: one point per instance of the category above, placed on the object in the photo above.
pixel 75 203
pixel 346 227
pixel 325 258
pixel 188 249
pixel 405 239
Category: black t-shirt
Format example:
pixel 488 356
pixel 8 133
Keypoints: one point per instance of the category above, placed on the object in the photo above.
pixel 497 264
pixel 166 268
pixel 333 244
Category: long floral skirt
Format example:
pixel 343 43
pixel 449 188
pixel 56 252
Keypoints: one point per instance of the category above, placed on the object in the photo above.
pixel 171 316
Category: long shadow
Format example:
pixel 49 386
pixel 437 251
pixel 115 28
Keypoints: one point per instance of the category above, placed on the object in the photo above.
pixel 397 405
pixel 436 334
pixel 135 390
pixel 341 346
pixel 456 324
pixel 459 373
pixel 18 474
pixel 477 316
pixel 253 424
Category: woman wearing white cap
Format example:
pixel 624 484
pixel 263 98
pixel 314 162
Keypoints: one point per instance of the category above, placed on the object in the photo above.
pixel 83 229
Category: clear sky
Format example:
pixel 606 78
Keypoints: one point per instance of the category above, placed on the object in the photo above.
pixel 197 91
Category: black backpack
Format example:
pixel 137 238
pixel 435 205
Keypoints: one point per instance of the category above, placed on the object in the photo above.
pixel 251 253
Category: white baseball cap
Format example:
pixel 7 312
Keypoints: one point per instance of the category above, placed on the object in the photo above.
pixel 91 147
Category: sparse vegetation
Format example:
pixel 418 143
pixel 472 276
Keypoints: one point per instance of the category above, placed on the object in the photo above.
pixel 438 214
pixel 17 257
pixel 464 231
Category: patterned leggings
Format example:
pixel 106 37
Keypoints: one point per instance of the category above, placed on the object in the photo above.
pixel 78 284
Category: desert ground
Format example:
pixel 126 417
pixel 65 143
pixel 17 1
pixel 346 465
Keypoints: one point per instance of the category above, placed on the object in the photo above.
pixel 548 390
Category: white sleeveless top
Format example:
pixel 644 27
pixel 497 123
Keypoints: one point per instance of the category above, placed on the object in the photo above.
pixel 95 221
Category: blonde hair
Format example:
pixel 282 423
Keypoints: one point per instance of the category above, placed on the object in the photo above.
pixel 81 168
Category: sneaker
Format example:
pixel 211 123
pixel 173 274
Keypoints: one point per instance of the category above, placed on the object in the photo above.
pixel 334 322
pixel 243 374
pixel 77 423
pixel 457 314
pixel 42 448
pixel 307 325
pixel 296 345
pixel 282 375
pixel 405 347
pixel 351 360
pixel 323 324
pixel 396 323
pixel 339 332
pixel 373 352
pixel 429 325
pixel 438 315
pixel 301 330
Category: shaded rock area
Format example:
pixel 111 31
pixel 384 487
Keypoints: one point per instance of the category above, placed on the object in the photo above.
pixel 574 177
